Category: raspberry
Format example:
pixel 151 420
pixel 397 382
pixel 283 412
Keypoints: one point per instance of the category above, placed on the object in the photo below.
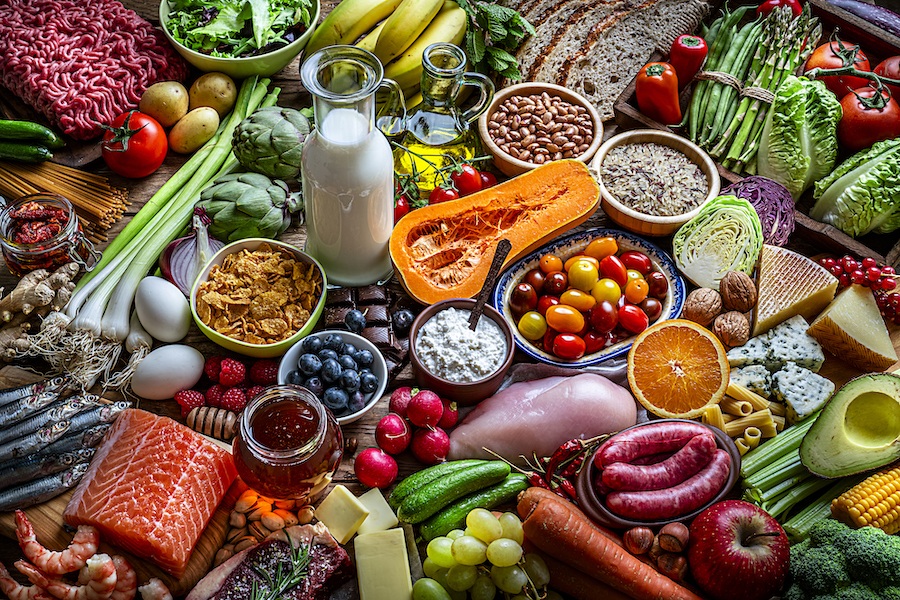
pixel 214 394
pixel 189 399
pixel 254 391
pixel 212 367
pixel 234 399
pixel 233 372
pixel 264 372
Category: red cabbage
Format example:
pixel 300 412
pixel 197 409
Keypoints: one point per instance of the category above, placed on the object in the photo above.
pixel 772 202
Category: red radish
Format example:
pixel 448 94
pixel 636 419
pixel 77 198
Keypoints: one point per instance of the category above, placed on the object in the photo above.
pixel 425 409
pixel 375 468
pixel 430 446
pixel 400 400
pixel 392 434
pixel 450 416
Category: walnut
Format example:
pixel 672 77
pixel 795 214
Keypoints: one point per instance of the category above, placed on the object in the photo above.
pixel 738 291
pixel 702 306
pixel 732 328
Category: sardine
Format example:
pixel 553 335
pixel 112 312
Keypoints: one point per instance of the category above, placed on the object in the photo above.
pixel 105 413
pixel 34 467
pixel 33 442
pixel 76 440
pixel 21 409
pixel 12 394
pixel 41 490
pixel 58 411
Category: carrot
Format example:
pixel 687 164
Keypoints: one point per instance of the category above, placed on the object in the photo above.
pixel 564 532
pixel 528 501
pixel 572 582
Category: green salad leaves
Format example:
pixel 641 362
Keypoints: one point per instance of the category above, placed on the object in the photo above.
pixel 799 139
pixel 236 28
pixel 862 194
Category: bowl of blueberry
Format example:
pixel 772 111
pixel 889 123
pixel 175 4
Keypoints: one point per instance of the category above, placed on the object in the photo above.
pixel 344 370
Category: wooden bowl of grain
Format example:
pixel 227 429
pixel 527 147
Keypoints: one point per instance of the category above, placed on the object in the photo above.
pixel 652 182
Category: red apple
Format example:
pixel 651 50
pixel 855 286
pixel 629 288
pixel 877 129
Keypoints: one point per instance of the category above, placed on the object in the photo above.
pixel 738 550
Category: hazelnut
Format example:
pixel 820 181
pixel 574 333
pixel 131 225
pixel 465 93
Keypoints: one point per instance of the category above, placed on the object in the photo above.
pixel 673 566
pixel 673 537
pixel 738 291
pixel 702 306
pixel 638 540
pixel 732 328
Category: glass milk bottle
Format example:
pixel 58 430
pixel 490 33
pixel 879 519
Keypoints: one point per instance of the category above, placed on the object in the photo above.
pixel 347 168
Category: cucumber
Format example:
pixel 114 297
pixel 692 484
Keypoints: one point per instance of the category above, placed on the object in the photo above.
pixel 24 152
pixel 429 499
pixel 454 516
pixel 26 130
pixel 426 476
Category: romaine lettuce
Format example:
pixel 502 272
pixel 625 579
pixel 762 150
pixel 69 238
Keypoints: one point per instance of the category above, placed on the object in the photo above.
pixel 799 139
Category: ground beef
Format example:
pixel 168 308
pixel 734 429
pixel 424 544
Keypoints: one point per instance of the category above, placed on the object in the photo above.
pixel 81 62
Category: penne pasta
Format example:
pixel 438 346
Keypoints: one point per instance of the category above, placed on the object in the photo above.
pixel 713 416
pixel 777 408
pixel 739 392
pixel 752 435
pixel 742 446
pixel 761 419
pixel 738 408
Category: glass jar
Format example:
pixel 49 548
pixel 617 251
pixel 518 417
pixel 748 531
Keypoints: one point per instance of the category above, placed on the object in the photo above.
pixel 42 231
pixel 288 445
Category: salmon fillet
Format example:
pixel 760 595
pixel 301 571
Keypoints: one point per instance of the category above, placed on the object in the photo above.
pixel 152 488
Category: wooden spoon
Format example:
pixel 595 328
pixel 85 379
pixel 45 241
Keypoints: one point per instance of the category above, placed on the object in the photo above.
pixel 500 255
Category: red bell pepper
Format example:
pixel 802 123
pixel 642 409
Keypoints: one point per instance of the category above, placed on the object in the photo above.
pixel 686 57
pixel 767 6
pixel 656 88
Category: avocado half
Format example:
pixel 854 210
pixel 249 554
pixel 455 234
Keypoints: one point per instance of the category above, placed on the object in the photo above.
pixel 858 430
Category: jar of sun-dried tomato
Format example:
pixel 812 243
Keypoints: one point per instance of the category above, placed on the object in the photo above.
pixel 41 231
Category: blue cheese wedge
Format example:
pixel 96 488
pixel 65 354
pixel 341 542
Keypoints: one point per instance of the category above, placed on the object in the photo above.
pixel 755 378
pixel 803 391
pixel 789 342
pixel 754 352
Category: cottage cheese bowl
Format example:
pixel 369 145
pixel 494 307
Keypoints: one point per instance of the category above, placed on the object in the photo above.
pixel 455 362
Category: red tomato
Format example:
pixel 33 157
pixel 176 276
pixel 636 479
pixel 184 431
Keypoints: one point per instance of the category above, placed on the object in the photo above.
pixel 767 6
pixel 547 342
pixel 604 317
pixel 659 285
pixel 637 261
pixel 594 342
pixel 832 56
pixel 633 319
pixel 868 119
pixel 487 179
pixel 890 68
pixel 440 194
pixel 467 180
pixel 556 282
pixel 613 268
pixel 568 346
pixel 545 302
pixel 134 145
pixel 401 206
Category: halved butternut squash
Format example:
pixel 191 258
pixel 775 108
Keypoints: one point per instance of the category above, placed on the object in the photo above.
pixel 444 250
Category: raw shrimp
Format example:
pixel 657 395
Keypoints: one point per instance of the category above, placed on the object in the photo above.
pixel 17 591
pixel 83 546
pixel 155 589
pixel 100 584
pixel 126 579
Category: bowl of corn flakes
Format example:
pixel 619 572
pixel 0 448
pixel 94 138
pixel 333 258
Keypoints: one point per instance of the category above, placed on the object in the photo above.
pixel 257 297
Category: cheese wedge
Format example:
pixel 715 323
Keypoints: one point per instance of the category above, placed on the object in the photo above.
pixel 790 284
pixel 382 566
pixel 341 513
pixel 851 328
pixel 381 516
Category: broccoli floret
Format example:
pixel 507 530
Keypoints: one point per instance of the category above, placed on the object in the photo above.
pixel 856 591
pixel 890 593
pixel 818 570
pixel 873 557
pixel 827 532
pixel 795 592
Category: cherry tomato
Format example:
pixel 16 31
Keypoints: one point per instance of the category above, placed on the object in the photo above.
pixel 633 319
pixel 550 262
pixel 545 302
pixel 578 299
pixel 440 194
pixel 604 317
pixel 659 285
pixel 532 325
pixel 890 68
pixel 556 282
pixel 401 206
pixel 568 346
pixel 637 290
pixel 134 145
pixel 767 6
pixel 632 259
pixel 606 289
pixel 466 180
pixel 564 318
pixel 487 179
pixel 583 275
pixel 652 307
pixel 547 341
pixel 594 342
pixel 522 299
pixel 831 56
pixel 571 261
pixel 535 278
pixel 613 268
pixel 602 247
pixel 867 118
pixel 633 275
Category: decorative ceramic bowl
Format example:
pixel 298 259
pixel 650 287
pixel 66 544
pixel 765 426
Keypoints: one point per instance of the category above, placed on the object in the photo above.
pixel 511 165
pixel 465 394
pixel 639 222
pixel 264 65
pixel 570 245
pixel 593 506
pixel 379 368
pixel 246 348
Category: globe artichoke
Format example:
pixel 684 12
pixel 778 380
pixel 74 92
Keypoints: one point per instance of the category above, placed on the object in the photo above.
pixel 243 205
pixel 270 141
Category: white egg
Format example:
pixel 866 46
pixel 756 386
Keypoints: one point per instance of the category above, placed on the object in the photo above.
pixel 167 370
pixel 162 309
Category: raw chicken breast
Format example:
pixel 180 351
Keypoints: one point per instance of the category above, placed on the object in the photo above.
pixel 537 416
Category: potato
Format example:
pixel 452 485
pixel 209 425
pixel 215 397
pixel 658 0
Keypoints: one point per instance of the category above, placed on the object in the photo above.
pixel 193 130
pixel 166 101
pixel 216 90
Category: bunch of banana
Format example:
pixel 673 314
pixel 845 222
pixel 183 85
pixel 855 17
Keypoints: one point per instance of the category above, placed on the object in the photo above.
pixel 396 31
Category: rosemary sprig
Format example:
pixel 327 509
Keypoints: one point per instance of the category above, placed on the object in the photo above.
pixel 283 579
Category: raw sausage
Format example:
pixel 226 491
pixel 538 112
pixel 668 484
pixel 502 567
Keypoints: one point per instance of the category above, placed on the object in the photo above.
pixel 653 438
pixel 685 463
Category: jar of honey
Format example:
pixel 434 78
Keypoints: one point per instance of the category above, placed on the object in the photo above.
pixel 41 231
pixel 288 445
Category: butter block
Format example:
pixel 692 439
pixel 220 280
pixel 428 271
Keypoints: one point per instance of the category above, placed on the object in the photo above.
pixel 342 513
pixel 381 517
pixel 382 566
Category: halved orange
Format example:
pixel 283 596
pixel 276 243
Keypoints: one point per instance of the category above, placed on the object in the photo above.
pixel 677 368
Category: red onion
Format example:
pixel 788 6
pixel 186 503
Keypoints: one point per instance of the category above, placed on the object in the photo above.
pixel 184 258
pixel 772 202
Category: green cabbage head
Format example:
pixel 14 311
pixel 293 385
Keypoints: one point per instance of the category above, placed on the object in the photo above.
pixel 799 139
pixel 862 194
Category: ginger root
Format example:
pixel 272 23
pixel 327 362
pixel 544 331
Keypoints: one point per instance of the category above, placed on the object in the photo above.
pixel 37 289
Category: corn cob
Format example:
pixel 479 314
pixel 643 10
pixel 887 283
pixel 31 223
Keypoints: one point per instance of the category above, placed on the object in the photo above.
pixel 875 501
